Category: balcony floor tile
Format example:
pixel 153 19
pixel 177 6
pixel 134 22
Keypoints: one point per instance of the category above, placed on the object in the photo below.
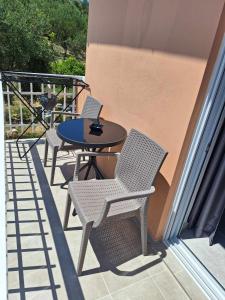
pixel 43 258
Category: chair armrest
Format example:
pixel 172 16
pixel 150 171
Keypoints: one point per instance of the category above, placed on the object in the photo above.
pixel 86 153
pixel 61 113
pixel 121 197
pixel 129 196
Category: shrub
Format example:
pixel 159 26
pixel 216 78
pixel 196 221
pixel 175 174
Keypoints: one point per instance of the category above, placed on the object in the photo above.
pixel 69 66
pixel 17 130
pixel 15 114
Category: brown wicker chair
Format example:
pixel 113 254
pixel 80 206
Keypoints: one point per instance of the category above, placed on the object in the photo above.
pixel 125 196
pixel 91 109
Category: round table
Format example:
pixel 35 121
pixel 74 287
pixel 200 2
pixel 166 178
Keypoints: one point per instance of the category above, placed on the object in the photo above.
pixel 78 132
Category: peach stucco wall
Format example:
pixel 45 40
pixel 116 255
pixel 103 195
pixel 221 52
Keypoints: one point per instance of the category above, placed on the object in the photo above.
pixel 145 62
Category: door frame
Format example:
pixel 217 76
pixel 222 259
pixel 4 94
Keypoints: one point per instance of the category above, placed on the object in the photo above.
pixel 206 131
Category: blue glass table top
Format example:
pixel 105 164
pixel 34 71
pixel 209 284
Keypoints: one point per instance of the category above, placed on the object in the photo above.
pixel 78 132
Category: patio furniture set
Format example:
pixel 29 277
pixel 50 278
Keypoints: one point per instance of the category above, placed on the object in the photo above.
pixel 101 200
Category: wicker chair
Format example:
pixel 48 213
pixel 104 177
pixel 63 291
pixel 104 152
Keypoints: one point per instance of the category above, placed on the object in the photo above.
pixel 91 109
pixel 124 196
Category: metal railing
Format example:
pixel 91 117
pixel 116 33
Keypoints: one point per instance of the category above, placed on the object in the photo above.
pixel 30 99
pixel 31 92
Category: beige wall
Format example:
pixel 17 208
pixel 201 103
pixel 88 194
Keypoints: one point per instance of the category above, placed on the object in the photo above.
pixel 145 62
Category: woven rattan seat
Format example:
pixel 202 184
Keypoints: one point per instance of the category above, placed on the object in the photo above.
pixel 126 195
pixel 91 109
pixel 89 196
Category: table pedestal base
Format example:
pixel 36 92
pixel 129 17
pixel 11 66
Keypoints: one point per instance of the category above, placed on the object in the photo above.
pixel 90 164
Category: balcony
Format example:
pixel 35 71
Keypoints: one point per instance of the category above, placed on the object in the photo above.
pixel 42 258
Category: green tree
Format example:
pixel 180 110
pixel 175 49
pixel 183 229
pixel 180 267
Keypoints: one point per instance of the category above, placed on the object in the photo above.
pixel 23 30
pixel 69 24
pixel 34 33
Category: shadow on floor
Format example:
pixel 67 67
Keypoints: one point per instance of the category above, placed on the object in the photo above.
pixel 26 176
pixel 113 244
pixel 116 243
pixel 67 170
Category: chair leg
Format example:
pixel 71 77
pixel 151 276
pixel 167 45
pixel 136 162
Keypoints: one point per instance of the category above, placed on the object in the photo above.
pixel 85 236
pixel 46 152
pixel 144 233
pixel 54 156
pixel 67 212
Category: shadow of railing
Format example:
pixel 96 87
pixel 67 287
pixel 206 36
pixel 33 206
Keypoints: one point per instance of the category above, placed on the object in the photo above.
pixel 16 210
pixel 18 182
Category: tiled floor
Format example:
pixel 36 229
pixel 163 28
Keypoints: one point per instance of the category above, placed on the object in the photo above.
pixel 42 258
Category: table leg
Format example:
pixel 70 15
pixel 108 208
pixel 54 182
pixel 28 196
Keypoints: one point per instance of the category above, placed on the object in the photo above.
pixel 90 164
pixel 98 173
pixel 88 169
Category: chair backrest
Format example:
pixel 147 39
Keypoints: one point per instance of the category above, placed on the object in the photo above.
pixel 139 161
pixel 91 109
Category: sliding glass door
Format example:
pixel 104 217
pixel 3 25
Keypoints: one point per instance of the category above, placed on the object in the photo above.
pixel 203 231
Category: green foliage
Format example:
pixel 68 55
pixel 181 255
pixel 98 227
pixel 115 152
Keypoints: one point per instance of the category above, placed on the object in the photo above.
pixel 69 23
pixel 34 33
pixel 22 32
pixel 15 113
pixel 70 66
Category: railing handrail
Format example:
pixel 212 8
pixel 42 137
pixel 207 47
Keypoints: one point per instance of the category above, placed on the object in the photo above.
pixel 50 75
